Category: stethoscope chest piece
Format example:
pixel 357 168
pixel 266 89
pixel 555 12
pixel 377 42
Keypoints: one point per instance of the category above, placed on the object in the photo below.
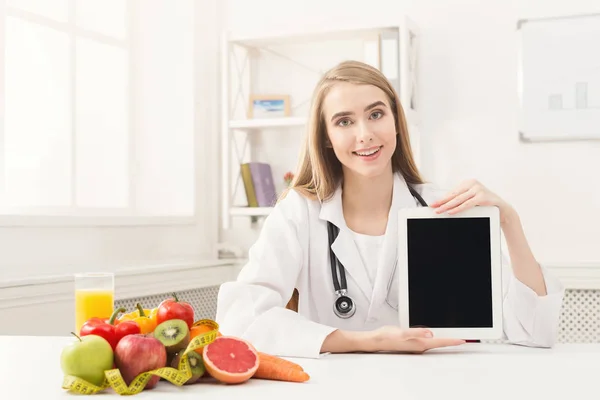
pixel 343 306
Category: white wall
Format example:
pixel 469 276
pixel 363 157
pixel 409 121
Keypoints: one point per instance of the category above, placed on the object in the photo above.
pixel 469 111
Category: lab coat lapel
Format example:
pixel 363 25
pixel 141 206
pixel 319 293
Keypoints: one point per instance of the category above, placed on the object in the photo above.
pixel 344 246
pixel 401 198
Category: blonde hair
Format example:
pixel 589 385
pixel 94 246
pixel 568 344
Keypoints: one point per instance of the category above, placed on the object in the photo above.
pixel 319 171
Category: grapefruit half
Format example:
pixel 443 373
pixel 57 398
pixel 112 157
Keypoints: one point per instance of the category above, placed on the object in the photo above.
pixel 230 359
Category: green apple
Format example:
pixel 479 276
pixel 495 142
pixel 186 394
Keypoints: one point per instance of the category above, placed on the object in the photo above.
pixel 87 358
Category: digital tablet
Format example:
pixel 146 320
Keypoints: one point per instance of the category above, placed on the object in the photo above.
pixel 450 272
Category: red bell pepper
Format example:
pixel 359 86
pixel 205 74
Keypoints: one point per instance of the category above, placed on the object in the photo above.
pixel 106 329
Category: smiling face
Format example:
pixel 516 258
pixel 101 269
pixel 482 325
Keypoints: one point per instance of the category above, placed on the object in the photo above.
pixel 361 128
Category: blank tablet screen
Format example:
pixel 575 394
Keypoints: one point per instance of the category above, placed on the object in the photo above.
pixel 449 272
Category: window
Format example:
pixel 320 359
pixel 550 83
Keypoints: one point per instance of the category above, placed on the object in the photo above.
pixel 98 105
pixel 107 151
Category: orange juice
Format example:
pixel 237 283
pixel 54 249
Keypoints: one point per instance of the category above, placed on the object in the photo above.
pixel 92 303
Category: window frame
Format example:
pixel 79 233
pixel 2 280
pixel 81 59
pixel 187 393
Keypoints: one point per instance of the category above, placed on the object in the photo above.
pixel 65 216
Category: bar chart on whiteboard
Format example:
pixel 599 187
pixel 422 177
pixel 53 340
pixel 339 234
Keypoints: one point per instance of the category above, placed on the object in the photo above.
pixel 559 78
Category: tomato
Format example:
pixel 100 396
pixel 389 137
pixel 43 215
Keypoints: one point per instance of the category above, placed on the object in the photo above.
pixel 175 309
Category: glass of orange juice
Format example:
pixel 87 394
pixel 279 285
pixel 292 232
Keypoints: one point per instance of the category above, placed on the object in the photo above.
pixel 94 296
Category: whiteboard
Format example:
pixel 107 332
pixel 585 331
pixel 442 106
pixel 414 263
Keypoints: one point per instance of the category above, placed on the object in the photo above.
pixel 559 78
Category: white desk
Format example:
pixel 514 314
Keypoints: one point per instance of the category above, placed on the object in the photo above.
pixel 472 371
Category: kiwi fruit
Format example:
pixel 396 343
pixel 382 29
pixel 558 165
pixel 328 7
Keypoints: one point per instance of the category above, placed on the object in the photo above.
pixel 174 334
pixel 196 365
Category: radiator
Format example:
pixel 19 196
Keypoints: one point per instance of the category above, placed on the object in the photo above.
pixel 579 318
pixel 204 301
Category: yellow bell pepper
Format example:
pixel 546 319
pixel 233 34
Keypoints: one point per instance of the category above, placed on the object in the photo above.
pixel 147 322
pixel 136 314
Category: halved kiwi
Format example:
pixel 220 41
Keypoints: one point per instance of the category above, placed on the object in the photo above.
pixel 174 334
pixel 196 365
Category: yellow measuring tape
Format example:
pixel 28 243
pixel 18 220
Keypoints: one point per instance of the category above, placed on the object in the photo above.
pixel 177 376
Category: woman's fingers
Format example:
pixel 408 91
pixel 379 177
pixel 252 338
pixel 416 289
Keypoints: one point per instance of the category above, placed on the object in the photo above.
pixel 464 206
pixel 416 333
pixel 457 201
pixel 460 189
pixel 421 345
pixel 411 340
pixel 443 342
pixel 444 199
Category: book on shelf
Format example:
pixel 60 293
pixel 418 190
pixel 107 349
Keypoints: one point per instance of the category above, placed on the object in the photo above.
pixel 259 184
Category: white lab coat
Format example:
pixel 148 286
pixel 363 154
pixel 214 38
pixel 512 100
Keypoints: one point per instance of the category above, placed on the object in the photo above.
pixel 292 252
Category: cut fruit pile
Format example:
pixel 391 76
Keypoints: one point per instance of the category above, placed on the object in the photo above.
pixel 177 350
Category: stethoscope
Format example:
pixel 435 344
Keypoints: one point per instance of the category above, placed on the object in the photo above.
pixel 344 306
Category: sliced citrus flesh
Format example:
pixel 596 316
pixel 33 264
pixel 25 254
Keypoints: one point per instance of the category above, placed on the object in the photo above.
pixel 230 359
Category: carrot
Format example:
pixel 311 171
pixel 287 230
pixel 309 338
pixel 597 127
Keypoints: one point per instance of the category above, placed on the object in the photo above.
pixel 264 357
pixel 278 372
pixel 275 368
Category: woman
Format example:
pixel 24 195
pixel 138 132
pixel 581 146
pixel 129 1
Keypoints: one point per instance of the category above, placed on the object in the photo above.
pixel 355 170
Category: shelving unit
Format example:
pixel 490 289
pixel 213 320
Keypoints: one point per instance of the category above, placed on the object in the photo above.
pixel 250 211
pixel 267 123
pixel 291 62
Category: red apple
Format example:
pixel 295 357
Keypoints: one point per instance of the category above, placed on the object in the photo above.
pixel 139 353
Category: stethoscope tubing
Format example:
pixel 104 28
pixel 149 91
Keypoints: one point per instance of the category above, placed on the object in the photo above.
pixel 337 269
